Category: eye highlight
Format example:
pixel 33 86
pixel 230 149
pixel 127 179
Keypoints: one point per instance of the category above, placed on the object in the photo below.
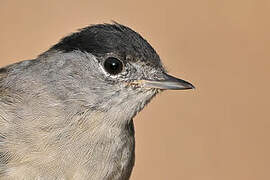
pixel 113 65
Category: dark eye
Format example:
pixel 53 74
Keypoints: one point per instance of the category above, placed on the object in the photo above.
pixel 113 65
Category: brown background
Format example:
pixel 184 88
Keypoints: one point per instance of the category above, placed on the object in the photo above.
pixel 220 131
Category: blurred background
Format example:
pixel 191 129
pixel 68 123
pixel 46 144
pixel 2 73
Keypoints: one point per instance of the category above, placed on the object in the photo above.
pixel 221 130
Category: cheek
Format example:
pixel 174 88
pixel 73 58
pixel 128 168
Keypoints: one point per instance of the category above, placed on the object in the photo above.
pixel 140 98
pixel 135 102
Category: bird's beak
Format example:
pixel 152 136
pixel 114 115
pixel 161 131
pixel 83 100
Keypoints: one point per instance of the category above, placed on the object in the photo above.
pixel 168 83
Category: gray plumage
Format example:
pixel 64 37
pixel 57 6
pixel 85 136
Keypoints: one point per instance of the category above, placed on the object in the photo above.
pixel 65 116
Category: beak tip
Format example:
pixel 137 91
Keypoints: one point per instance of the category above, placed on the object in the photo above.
pixel 191 86
pixel 186 87
pixel 179 84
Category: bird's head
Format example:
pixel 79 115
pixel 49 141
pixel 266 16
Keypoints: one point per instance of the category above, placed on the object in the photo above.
pixel 115 67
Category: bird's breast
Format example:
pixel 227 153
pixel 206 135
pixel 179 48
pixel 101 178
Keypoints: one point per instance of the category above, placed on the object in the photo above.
pixel 113 155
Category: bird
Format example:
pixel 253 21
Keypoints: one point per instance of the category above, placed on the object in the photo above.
pixel 68 114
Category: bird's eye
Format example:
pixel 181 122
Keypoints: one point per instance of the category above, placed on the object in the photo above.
pixel 113 65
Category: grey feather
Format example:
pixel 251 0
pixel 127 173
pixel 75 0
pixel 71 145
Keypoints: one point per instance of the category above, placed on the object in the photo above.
pixel 63 117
